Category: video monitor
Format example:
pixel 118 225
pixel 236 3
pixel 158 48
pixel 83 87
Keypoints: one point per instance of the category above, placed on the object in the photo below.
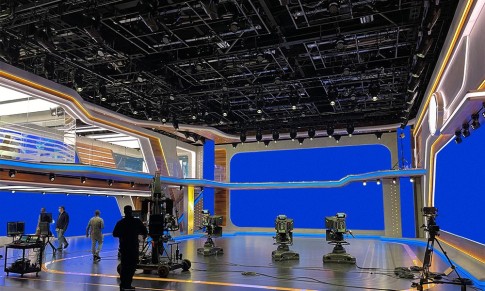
pixel 137 214
pixel 15 228
pixel 46 217
pixel 44 229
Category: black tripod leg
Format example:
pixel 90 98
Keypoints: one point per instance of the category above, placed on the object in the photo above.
pixel 453 267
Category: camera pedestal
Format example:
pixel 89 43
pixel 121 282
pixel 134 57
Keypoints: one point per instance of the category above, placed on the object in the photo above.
pixel 339 255
pixel 210 248
pixel 283 253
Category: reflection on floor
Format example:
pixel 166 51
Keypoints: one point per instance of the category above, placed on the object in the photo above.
pixel 246 264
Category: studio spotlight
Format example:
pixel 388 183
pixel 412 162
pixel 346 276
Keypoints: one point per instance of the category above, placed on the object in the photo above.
pixel 465 130
pixel 475 121
pixel 333 7
pixel 425 49
pixel 110 182
pixel 242 137
pixel 266 143
pixel 175 124
pixel 378 181
pixel 12 173
pixel 52 177
pixel 293 133
pixel 276 135
pixel 379 135
pixel 458 139
pixel 132 184
pixel 234 145
pixel 411 179
pixel 311 133
pixel 350 130
pixel 337 138
pixel 300 140
pixel 330 131
pixel 83 180
pixel 364 183
pixel 394 181
pixel 259 135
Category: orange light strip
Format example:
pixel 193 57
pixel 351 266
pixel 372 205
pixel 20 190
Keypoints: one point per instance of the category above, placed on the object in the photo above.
pixel 458 31
pixel 468 253
pixel 431 171
pixel 81 107
pixel 44 268
pixel 482 85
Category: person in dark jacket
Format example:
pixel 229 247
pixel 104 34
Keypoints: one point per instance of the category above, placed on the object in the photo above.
pixel 61 227
pixel 127 230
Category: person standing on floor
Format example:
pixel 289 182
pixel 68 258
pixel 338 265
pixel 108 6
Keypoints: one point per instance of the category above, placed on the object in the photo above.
pixel 37 230
pixel 95 229
pixel 61 227
pixel 127 230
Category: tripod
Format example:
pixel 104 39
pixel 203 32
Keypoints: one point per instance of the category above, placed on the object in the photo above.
pixel 428 277
pixel 48 242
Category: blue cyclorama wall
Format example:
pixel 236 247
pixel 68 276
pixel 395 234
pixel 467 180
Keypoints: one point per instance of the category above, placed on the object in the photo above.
pixel 308 207
pixel 459 190
pixel 26 207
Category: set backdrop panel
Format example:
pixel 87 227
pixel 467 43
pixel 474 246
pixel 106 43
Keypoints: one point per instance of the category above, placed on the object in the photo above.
pixel 21 206
pixel 308 207
pixel 459 187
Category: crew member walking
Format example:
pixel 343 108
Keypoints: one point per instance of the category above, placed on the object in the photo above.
pixel 95 229
pixel 61 227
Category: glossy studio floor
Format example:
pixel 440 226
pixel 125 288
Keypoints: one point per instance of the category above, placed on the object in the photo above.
pixel 247 264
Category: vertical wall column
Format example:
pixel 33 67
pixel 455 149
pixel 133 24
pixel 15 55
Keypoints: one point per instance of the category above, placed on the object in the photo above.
pixel 208 173
pixel 190 209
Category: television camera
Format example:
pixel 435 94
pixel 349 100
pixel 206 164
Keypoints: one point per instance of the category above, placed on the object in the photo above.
pixel 284 239
pixel 162 252
pixel 335 230
pixel 428 277
pixel 212 226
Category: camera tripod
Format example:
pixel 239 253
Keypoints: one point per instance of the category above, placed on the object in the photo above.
pixel 428 277
pixel 48 242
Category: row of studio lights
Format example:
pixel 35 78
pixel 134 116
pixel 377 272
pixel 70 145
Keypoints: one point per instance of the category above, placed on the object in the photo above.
pixel 52 177
pixel 474 124
pixel 294 136
pixel 378 181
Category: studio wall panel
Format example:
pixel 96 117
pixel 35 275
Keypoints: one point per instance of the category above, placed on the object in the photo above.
pixel 308 207
pixel 26 207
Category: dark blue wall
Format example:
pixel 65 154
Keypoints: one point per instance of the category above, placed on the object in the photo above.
pixel 308 207
pixel 26 207
pixel 459 190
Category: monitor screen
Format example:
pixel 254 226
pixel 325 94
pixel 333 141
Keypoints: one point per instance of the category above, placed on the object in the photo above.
pixel 15 228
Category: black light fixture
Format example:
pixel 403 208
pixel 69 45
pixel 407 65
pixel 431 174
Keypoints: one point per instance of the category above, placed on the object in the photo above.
pixel 426 46
pixel 234 27
pixel 374 90
pixel 175 124
pixel 465 130
pixel 259 104
pixel 242 136
pixel 350 130
pixel 333 7
pixel 311 133
pixel 394 181
pixel 110 182
pixel 300 140
pixel 266 143
pixel 293 133
pixel 52 177
pixel 378 135
pixel 475 121
pixel 330 131
pixel 411 179
pixel 337 138
pixel 83 180
pixel 132 184
pixel 78 81
pixel 259 135
pixel 225 106
pixel 378 181
pixel 234 145
pixel 458 139
pixel 276 135
pixel 12 173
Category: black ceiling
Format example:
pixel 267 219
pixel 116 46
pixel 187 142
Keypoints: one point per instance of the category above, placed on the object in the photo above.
pixel 269 64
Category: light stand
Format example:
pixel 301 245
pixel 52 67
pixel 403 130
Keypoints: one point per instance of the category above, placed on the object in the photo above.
pixel 428 277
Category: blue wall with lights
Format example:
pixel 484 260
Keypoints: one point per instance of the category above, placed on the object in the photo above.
pixel 22 206
pixel 308 207
pixel 459 194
